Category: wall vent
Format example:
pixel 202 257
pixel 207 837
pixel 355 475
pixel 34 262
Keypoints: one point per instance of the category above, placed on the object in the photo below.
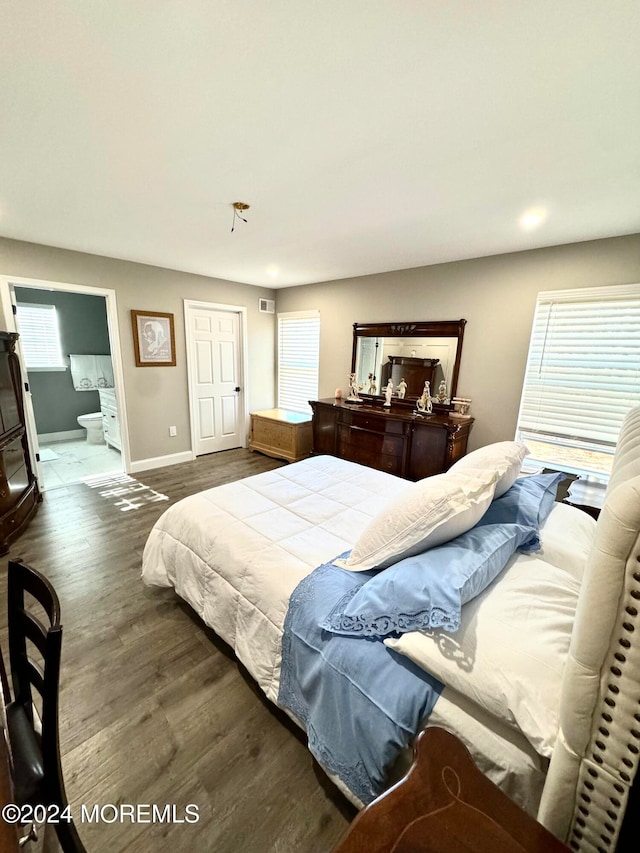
pixel 267 306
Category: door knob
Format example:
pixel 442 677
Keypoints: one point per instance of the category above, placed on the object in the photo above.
pixel 237 388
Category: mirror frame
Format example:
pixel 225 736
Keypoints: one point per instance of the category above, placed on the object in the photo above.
pixel 428 329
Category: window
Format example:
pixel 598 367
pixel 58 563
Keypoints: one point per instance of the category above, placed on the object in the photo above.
pixel 298 359
pixel 40 337
pixel 582 377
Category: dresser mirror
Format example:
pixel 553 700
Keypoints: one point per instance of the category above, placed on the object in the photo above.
pixel 413 352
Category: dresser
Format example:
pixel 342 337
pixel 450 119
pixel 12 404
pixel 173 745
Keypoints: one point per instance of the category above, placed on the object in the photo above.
pixel 393 440
pixel 281 433
pixel 19 493
pixel 110 419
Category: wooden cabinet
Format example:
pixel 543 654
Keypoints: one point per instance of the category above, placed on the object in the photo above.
pixel 110 420
pixel 392 440
pixel 19 494
pixel 280 433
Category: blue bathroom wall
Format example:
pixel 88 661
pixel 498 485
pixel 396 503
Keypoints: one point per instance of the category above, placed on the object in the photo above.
pixel 83 327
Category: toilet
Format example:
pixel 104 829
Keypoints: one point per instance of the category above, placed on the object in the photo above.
pixel 93 425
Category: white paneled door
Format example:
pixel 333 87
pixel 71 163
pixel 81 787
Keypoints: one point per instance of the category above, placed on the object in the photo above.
pixel 213 338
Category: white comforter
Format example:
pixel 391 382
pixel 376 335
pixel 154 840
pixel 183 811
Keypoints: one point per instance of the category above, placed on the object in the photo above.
pixel 235 553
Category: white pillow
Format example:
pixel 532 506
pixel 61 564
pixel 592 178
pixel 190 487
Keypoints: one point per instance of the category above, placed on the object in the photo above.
pixel 430 512
pixel 509 653
pixel 505 457
pixel 566 537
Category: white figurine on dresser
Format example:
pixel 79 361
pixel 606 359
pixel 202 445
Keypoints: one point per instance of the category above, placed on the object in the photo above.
pixel 354 390
pixel 424 406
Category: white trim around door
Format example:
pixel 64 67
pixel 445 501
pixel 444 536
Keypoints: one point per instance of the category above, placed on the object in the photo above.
pixel 6 282
pixel 243 405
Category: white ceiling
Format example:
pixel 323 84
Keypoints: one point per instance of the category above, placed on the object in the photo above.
pixel 367 135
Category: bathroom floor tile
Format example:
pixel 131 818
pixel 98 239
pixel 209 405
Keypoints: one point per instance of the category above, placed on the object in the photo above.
pixel 75 460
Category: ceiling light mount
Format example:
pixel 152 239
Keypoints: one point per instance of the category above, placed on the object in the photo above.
pixel 239 207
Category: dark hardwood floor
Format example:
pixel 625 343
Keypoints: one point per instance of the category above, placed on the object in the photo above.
pixel 154 707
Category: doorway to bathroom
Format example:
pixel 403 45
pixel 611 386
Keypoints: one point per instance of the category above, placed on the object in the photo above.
pixel 69 352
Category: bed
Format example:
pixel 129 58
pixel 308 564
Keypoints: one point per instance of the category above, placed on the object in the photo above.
pixel 241 555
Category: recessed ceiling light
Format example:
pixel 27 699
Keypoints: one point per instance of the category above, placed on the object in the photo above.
pixel 272 271
pixel 531 219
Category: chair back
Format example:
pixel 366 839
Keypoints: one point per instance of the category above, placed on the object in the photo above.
pixel 33 725
pixel 24 625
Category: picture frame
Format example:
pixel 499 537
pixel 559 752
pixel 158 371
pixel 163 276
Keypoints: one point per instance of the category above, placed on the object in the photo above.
pixel 153 339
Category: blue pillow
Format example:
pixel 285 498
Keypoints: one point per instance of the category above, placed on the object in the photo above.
pixel 428 590
pixel 529 502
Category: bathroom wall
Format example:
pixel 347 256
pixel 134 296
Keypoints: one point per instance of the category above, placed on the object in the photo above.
pixel 83 331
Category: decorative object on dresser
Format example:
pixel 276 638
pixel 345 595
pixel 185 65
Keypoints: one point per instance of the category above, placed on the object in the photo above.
pixel 461 406
pixel 424 405
pixel 354 390
pixel 19 493
pixel 394 440
pixel 281 433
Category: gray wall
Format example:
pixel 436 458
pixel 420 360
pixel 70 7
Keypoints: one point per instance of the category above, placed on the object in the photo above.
pixel 82 322
pixel 160 390
pixel 496 295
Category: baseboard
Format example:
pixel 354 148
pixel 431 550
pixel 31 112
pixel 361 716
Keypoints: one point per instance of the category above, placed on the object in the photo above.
pixel 47 437
pixel 161 461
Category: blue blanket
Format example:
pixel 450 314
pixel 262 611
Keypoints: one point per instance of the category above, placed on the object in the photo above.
pixel 359 701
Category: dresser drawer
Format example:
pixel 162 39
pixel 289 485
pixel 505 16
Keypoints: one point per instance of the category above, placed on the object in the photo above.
pixel 375 422
pixel 11 490
pixel 383 451
pixel 12 458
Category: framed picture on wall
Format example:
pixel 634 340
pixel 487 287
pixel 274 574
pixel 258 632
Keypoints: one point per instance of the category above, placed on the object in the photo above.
pixel 154 340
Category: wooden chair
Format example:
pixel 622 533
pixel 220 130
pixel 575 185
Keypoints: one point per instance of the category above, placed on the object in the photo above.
pixel 445 805
pixel 33 728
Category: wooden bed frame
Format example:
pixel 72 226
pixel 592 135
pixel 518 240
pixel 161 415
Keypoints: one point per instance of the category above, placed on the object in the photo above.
pixel 445 805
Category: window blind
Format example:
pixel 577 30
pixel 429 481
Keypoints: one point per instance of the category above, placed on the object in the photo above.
pixel 298 359
pixel 39 336
pixel 582 374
